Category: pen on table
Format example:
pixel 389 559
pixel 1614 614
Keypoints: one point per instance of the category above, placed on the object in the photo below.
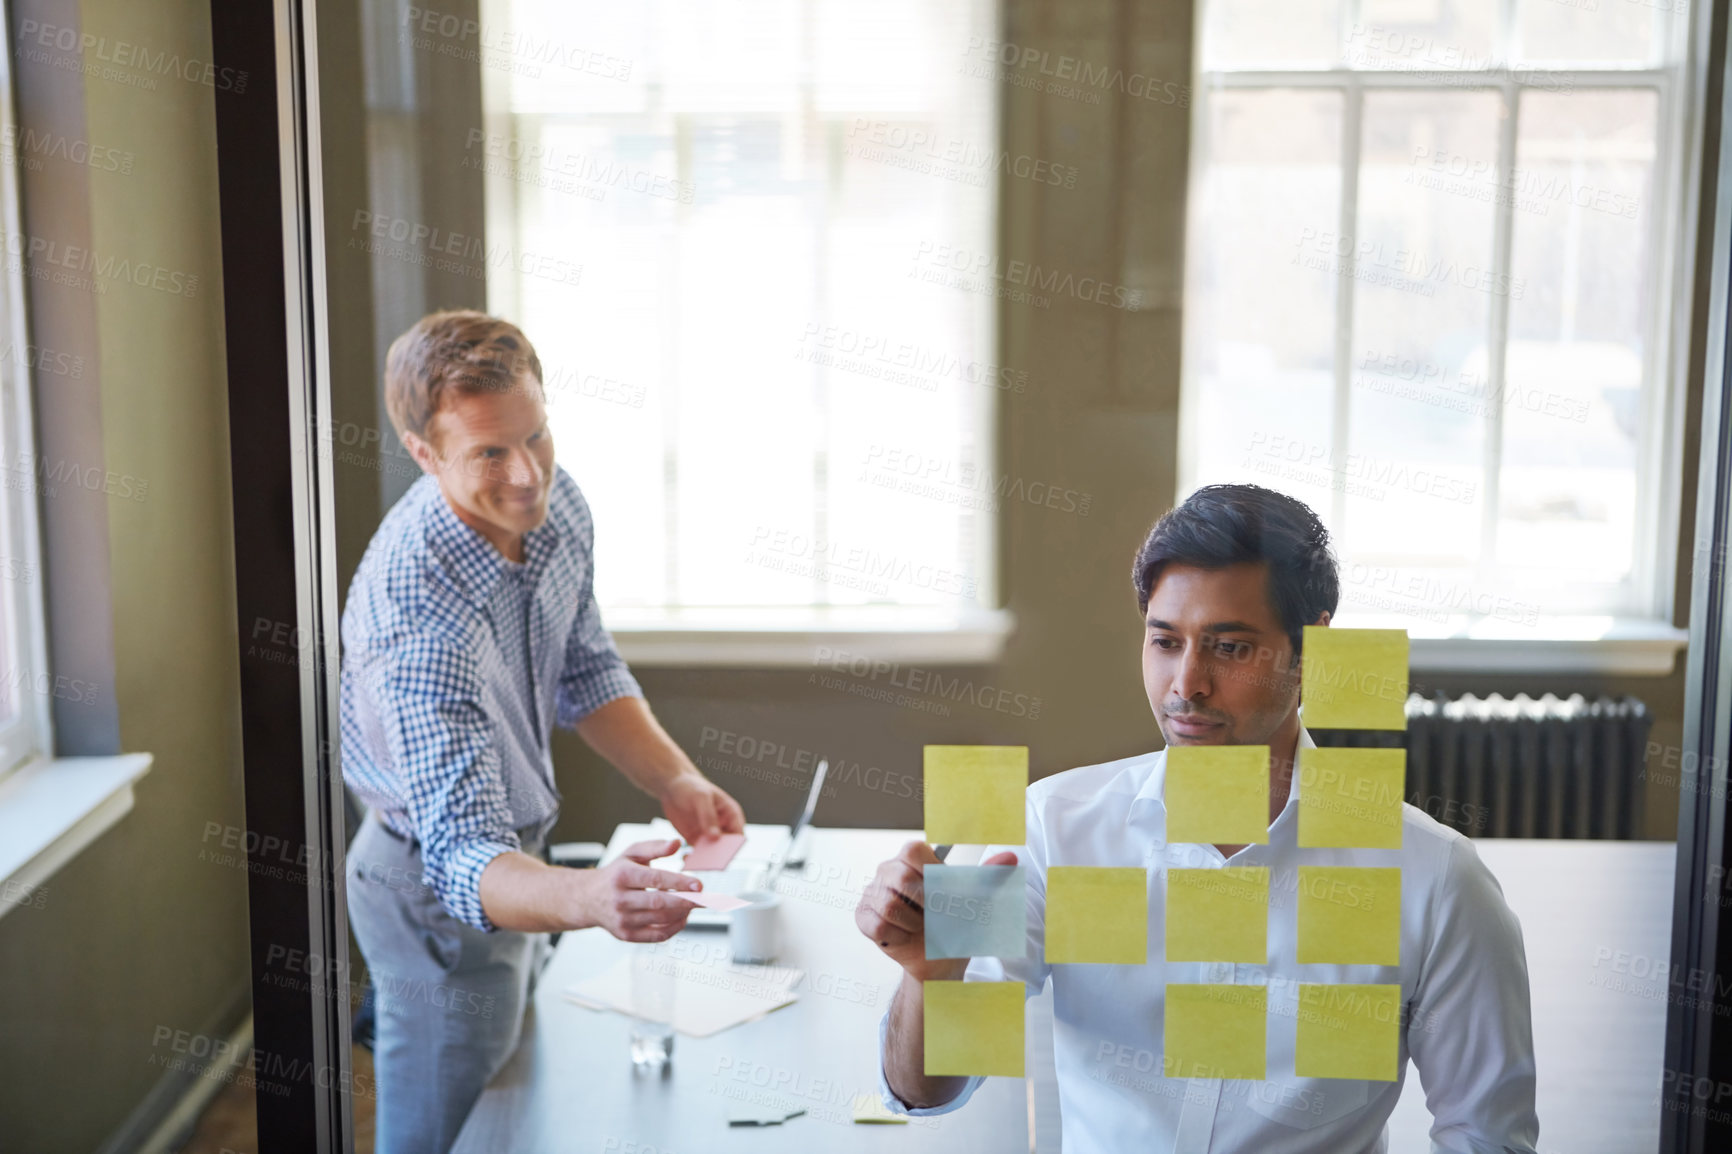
pixel 765 1120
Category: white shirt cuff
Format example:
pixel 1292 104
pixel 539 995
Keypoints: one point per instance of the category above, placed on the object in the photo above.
pixel 896 1105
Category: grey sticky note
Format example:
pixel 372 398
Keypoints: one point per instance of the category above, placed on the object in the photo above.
pixel 975 912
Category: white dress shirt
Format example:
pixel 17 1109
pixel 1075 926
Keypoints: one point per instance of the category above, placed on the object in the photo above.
pixel 1463 977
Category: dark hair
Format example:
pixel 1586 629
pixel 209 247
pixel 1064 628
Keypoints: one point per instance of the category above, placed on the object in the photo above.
pixel 1221 525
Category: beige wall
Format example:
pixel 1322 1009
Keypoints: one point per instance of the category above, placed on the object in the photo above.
pixel 138 933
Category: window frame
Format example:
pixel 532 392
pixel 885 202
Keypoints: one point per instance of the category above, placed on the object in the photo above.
pixel 29 736
pixel 1644 618
pixel 789 635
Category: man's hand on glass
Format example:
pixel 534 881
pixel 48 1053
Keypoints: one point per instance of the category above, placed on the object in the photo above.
pixel 892 912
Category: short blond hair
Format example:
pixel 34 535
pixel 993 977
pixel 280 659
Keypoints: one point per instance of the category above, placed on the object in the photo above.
pixel 462 350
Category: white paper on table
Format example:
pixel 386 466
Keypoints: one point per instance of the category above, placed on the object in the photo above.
pixel 707 999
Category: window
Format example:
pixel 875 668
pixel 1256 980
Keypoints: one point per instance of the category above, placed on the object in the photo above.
pixel 25 687
pixel 712 219
pixel 1430 293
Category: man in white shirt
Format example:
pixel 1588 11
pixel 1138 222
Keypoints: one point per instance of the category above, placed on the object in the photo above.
pixel 1227 581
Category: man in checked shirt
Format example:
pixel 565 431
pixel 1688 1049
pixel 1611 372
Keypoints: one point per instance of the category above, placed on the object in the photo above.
pixel 470 630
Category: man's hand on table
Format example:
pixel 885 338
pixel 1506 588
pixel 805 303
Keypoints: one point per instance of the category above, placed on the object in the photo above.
pixel 699 808
pixel 892 912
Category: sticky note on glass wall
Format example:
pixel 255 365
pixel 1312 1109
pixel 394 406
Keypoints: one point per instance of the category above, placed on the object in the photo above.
pixel 1354 678
pixel 1218 915
pixel 1348 1032
pixel 1217 794
pixel 1215 1031
pixel 975 912
pixel 973 1028
pixel 974 794
pixel 1349 916
pixel 1351 798
pixel 1097 914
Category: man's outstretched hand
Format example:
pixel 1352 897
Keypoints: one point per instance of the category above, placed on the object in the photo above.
pixel 624 897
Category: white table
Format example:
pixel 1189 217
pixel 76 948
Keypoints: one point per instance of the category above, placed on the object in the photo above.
pixel 570 1085
pixel 1587 908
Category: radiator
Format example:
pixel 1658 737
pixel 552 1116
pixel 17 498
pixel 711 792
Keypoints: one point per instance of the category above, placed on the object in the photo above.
pixel 1493 767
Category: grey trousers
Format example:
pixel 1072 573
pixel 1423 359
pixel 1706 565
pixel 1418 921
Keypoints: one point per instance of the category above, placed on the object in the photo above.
pixel 449 998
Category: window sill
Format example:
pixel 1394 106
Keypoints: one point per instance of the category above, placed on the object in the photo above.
pixel 782 639
pixel 52 808
pixel 1629 646
pixel 789 639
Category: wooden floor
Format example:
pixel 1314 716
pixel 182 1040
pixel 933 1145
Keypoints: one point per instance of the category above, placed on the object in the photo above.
pixel 229 1124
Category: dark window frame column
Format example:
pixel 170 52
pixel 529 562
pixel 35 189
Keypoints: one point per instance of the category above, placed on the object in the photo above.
pixel 285 570
pixel 1698 1040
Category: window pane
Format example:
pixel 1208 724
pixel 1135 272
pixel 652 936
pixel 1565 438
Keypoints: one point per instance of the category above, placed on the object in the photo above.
pixel 1292 33
pixel 752 193
pixel 19 575
pixel 744 262
pixel 1454 473
pixel 1423 34
pixel 15 567
pixel 1423 290
pixel 1577 356
pixel 1622 32
pixel 1264 275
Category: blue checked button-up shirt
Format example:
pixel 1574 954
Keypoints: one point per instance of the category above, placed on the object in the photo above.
pixel 456 665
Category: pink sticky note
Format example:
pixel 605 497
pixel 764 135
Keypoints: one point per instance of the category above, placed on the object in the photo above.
pixel 711 901
pixel 714 853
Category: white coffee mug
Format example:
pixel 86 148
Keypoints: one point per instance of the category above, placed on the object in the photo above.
pixel 755 931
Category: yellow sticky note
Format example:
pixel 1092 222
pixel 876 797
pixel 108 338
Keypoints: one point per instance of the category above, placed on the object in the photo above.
pixel 1217 794
pixel 1215 1031
pixel 1219 915
pixel 973 1028
pixel 1348 1032
pixel 974 794
pixel 1354 678
pixel 1349 916
pixel 1351 798
pixel 870 1108
pixel 1097 914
